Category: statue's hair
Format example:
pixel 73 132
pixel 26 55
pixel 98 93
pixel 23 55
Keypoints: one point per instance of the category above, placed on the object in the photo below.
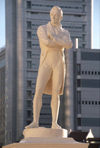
pixel 56 8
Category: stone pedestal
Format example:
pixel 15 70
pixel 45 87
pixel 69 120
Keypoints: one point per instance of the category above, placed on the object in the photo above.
pixel 45 132
pixel 46 138
pixel 48 143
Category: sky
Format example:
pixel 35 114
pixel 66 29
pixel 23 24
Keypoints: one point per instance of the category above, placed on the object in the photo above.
pixel 96 24
pixel 2 23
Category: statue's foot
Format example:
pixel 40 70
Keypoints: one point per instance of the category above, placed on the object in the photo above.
pixel 32 125
pixel 55 126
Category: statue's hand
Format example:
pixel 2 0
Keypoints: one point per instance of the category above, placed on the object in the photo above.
pixel 50 36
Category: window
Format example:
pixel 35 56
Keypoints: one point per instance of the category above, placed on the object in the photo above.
pixel 29 104
pixel 98 72
pixel 78 69
pixel 77 15
pixel 29 93
pixel 29 83
pixel 79 96
pixel 82 102
pixel 95 102
pixel 29 114
pixel 28 24
pixel 28 4
pixel 29 44
pixel 83 37
pixel 89 102
pixel 29 34
pixel 92 72
pixel 29 64
pixel 83 45
pixel 83 8
pixel 83 28
pixel 78 82
pixel 79 102
pixel 82 72
pixel 79 121
pixel 29 54
pixel 95 73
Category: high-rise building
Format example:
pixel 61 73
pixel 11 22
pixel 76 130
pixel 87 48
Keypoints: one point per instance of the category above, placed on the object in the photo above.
pixel 2 96
pixel 83 90
pixel 22 55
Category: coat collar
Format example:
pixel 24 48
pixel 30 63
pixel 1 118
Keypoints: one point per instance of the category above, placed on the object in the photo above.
pixel 56 27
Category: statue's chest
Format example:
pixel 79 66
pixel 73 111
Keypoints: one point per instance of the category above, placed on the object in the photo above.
pixel 54 30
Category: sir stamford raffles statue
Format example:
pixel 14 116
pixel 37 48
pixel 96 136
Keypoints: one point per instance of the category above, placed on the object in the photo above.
pixel 53 40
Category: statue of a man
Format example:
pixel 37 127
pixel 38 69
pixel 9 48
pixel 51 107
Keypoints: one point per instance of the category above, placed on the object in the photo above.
pixel 53 39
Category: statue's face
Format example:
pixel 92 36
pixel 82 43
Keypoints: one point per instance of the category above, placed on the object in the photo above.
pixel 55 17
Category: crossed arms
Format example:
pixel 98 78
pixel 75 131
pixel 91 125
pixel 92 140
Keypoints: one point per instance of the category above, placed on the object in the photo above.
pixel 53 40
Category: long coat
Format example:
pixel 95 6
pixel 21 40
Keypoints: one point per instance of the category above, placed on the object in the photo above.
pixel 63 37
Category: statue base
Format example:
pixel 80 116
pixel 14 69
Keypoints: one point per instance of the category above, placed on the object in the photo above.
pixel 40 142
pixel 45 132
pixel 46 138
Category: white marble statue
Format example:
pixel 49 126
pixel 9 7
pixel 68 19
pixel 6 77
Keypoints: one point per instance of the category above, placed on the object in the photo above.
pixel 53 40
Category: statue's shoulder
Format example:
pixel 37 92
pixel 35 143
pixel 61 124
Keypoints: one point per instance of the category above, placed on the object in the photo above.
pixel 42 28
pixel 65 30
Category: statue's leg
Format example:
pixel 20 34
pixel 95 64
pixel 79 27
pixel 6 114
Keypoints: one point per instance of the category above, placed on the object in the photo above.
pixel 42 79
pixel 55 101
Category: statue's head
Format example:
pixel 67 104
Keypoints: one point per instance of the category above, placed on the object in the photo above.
pixel 56 15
